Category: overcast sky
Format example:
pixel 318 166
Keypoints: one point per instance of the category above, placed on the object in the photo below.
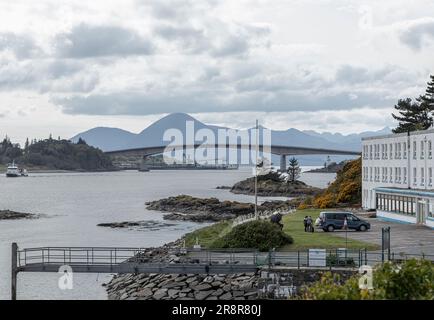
pixel 325 65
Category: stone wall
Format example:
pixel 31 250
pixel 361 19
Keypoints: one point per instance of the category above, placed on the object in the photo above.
pixel 247 286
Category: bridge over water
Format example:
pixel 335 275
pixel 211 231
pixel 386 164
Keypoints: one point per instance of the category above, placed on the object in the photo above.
pixel 282 151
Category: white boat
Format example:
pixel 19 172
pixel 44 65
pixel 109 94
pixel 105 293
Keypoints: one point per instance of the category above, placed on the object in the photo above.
pixel 13 171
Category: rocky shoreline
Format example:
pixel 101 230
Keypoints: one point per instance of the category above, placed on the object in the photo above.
pixel 187 208
pixel 268 187
pixel 13 215
pixel 150 224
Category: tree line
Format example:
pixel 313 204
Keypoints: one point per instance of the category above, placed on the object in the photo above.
pixel 57 154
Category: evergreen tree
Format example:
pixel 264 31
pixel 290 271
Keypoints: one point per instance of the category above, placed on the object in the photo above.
pixel 26 146
pixel 413 115
pixel 428 98
pixel 418 114
pixel 293 170
pixel 81 141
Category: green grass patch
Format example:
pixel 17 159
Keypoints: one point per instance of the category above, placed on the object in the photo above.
pixel 293 225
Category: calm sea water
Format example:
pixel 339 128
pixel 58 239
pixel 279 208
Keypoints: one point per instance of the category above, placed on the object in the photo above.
pixel 74 203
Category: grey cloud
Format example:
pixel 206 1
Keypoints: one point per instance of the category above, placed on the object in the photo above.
pixel 386 75
pixel 232 45
pixel 413 36
pixel 133 103
pixel 175 9
pixel 23 46
pixel 86 41
pixel 215 39
pixel 48 75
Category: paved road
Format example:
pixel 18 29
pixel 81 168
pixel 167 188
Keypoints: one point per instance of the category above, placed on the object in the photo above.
pixel 404 237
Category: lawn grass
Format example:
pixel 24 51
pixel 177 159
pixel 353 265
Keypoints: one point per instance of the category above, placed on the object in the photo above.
pixel 293 225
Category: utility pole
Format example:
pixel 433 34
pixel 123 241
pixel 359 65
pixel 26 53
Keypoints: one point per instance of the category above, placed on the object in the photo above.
pixel 256 170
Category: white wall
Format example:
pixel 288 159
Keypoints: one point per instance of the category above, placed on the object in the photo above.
pixel 396 161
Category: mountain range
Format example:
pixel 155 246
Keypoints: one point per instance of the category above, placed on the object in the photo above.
pixel 110 139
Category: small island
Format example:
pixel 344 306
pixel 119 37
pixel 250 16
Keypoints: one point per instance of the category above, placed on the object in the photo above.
pixel 273 185
pixel 13 215
pixel 332 167
pixel 188 208
pixel 54 155
pixel 150 225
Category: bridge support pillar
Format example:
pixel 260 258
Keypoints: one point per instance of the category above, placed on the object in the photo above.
pixel 14 270
pixel 143 166
pixel 283 162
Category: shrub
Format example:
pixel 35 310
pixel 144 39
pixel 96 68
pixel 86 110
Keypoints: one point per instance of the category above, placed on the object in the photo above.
pixel 345 190
pixel 324 201
pixel 334 260
pixel 262 235
pixel 410 280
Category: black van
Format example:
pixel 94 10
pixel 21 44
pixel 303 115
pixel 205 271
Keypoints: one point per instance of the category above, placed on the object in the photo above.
pixel 329 221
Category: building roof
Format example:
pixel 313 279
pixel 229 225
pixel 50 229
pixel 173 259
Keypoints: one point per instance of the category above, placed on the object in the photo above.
pixel 396 135
pixel 410 192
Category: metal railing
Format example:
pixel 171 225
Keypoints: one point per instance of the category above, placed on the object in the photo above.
pixel 106 256
pixel 78 255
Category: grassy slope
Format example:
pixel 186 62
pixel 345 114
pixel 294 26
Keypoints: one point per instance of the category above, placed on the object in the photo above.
pixel 293 225
pixel 207 235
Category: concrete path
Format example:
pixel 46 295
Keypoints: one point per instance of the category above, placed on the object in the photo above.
pixel 407 238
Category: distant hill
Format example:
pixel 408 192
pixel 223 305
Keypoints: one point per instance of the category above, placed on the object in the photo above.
pixel 110 139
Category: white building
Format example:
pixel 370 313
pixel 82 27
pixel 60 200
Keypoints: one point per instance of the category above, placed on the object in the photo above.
pixel 397 176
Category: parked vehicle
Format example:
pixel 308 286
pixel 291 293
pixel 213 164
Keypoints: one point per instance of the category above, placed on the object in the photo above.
pixel 331 220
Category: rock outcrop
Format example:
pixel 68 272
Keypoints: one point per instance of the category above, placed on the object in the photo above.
pixel 13 215
pixel 150 225
pixel 211 209
pixel 274 188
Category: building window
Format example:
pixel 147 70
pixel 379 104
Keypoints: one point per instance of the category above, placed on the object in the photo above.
pixel 422 176
pixel 370 152
pixel 404 180
pixel 370 173
pixel 390 175
pixel 414 149
pixel 404 150
pixel 422 150
pixel 385 151
pixel 429 149
pixel 430 177
pixel 391 151
pixel 396 203
pixel 414 176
